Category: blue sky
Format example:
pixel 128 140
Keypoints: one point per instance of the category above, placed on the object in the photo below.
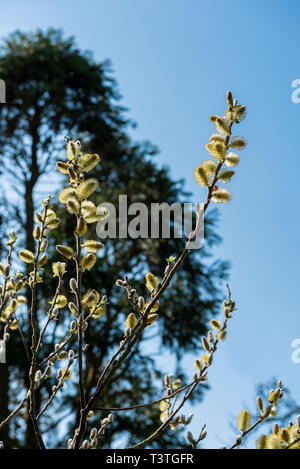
pixel 174 61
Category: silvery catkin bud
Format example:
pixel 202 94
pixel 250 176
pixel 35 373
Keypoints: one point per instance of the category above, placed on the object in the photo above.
pixel 127 333
pixel 43 260
pixel 260 404
pixel 93 443
pixel 73 285
pixel 275 428
pixel 205 344
pixel 37 232
pixel 119 283
pixel 229 99
pixel 210 337
pixel 190 438
pixel 73 308
pixel 141 303
pixel 85 444
pixel 267 412
pixel 81 227
pixel 44 245
pixel 59 373
pixel 93 433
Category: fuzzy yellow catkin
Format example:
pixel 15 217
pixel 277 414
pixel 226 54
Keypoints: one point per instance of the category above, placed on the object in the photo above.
pixel 26 256
pixel 59 268
pixel 225 176
pixel 88 261
pixel 131 321
pixel 284 435
pixel 231 159
pixel 66 194
pixel 89 161
pixel 151 319
pixel 221 124
pixel 66 251
pixel 151 281
pixel 43 260
pixel 244 420
pixel 86 188
pixel 61 301
pixel 201 176
pixel 92 246
pixel 62 167
pixel 72 205
pixel 53 223
pixel 261 442
pixel 221 196
pixel 215 324
pixel 274 396
pixel 238 143
pixel 273 442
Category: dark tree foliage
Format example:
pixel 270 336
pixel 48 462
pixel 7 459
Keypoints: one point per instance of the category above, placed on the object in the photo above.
pixel 55 89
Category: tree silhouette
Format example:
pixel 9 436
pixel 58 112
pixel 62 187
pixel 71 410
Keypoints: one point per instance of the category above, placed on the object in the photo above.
pixel 55 89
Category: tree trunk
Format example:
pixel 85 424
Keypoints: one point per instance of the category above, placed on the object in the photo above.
pixel 4 399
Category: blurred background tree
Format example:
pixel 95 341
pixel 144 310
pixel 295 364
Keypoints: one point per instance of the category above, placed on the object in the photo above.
pixel 54 89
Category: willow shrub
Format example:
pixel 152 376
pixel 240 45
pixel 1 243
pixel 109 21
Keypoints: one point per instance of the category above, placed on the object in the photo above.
pixel 85 307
